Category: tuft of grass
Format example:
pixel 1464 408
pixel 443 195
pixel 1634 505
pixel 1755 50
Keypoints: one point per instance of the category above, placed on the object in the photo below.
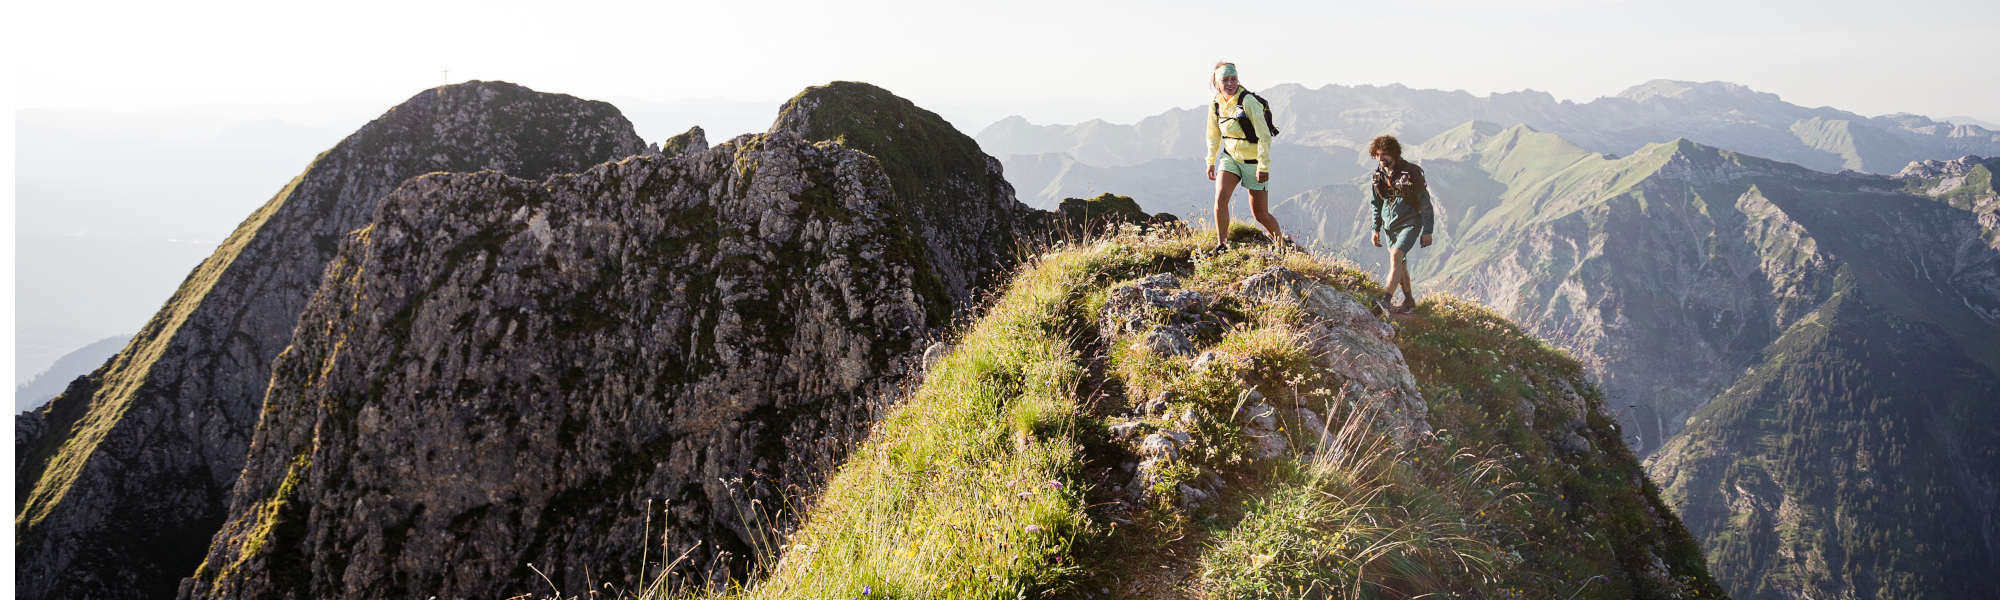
pixel 1354 521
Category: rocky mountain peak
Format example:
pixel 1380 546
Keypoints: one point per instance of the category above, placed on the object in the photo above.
pixel 560 359
pixel 945 186
pixel 1691 91
pixel 1940 168
pixel 692 141
pixel 658 357
pixel 132 466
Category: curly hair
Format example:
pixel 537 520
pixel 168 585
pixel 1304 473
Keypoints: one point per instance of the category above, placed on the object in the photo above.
pixel 1387 145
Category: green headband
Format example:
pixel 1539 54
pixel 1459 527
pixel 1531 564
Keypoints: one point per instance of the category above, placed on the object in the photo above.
pixel 1226 70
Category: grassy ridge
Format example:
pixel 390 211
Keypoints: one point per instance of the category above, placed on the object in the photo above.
pixel 968 489
pixel 984 482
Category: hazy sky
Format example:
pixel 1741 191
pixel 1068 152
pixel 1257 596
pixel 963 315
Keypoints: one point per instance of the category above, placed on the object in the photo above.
pixel 1054 61
pixel 202 86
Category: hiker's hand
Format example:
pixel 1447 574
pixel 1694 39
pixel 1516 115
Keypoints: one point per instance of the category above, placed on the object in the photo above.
pixel 1263 176
pixel 1211 172
pixel 1375 238
pixel 1424 242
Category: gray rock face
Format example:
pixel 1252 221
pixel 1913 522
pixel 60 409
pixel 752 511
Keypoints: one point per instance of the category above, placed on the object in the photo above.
pixel 129 469
pixel 560 361
pixel 953 197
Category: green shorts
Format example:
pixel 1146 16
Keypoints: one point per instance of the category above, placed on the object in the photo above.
pixel 1402 237
pixel 1248 173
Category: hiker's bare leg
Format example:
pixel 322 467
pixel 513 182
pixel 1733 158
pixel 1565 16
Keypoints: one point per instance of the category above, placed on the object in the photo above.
pixel 1406 283
pixel 1225 183
pixel 1260 207
pixel 1399 274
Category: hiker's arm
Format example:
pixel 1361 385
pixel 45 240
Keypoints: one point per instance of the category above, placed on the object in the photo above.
pixel 1214 140
pixel 1425 210
pixel 1256 111
pixel 1375 209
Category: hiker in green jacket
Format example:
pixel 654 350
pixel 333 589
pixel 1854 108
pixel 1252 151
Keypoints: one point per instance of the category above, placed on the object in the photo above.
pixel 1236 154
pixel 1402 212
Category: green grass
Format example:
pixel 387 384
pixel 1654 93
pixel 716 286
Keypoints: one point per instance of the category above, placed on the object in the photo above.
pixel 1353 522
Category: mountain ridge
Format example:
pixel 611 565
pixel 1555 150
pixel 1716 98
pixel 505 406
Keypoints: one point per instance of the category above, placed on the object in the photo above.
pixel 709 329
pixel 150 443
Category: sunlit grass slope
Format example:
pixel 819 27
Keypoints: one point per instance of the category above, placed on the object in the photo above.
pixel 994 477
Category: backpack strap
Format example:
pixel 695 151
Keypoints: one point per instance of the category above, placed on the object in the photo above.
pixel 1242 122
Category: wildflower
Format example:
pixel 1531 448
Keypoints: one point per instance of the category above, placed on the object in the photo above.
pixel 1033 528
pixel 865 590
pixel 1055 484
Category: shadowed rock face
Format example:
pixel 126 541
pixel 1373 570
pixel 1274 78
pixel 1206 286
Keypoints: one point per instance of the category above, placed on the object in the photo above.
pixel 127 472
pixel 646 359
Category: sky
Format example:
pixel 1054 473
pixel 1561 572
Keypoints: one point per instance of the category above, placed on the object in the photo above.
pixel 179 93
pixel 1059 62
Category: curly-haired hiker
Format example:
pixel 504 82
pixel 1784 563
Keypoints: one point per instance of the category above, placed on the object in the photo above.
pixel 1402 213
pixel 1239 150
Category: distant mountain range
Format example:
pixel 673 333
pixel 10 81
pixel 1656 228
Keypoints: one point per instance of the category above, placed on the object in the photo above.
pixel 1050 162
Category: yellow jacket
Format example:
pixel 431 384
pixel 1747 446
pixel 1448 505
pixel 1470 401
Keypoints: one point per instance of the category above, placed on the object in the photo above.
pixel 1226 133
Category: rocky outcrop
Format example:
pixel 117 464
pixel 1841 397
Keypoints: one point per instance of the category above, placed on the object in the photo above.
pixel 655 357
pixel 952 196
pixel 129 469
pixel 1104 214
pixel 692 141
pixel 1347 344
